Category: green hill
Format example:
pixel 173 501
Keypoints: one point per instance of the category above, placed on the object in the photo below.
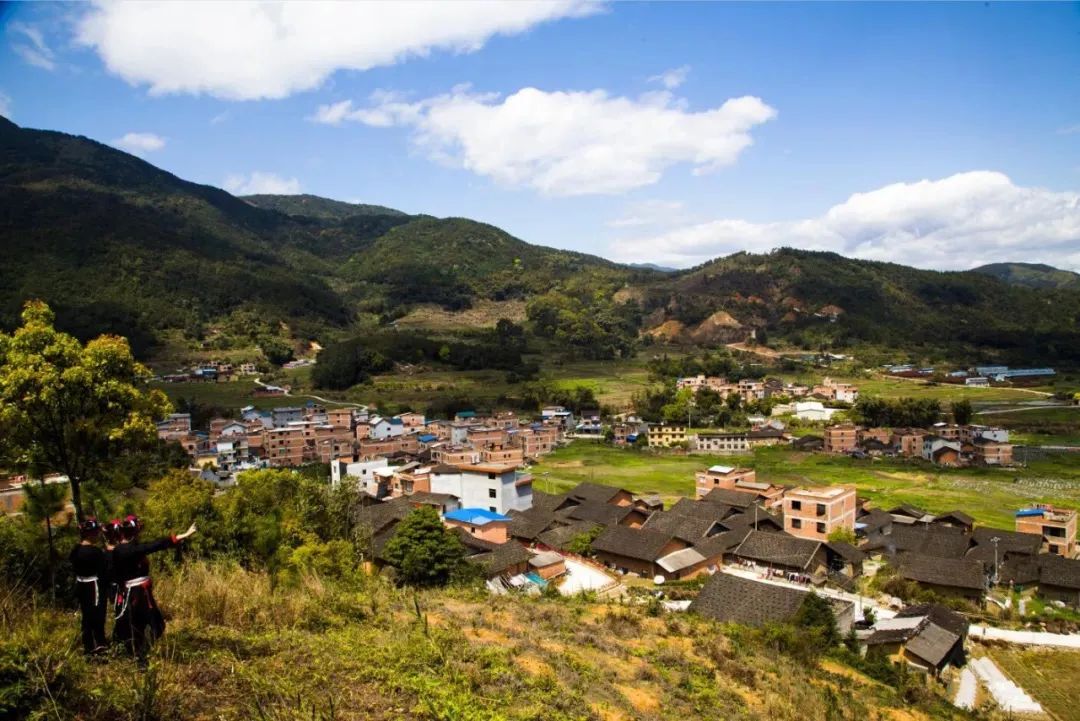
pixel 115 244
pixel 312 206
pixel 819 299
pixel 1031 275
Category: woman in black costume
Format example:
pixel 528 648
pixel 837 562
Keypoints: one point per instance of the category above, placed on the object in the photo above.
pixel 90 565
pixel 138 619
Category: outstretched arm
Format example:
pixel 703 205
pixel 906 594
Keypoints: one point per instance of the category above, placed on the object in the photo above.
pixel 162 543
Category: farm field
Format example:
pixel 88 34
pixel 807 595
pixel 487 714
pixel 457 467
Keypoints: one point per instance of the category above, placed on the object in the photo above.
pixel 989 495
pixel 231 396
pixel 1046 675
pixel 1038 426
pixel 886 387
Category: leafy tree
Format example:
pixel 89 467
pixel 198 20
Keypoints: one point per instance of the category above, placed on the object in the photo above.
pixel 962 412
pixel 816 616
pixel 177 499
pixel 43 502
pixel 423 550
pixel 68 408
pixel 842 535
pixel 276 350
pixel 581 544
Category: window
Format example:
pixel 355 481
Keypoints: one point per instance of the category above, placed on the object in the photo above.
pixel 1054 549
pixel 492 493
pixel 796 523
pixel 492 509
pixel 821 528
pixel 491 476
pixel 796 505
pixel 821 509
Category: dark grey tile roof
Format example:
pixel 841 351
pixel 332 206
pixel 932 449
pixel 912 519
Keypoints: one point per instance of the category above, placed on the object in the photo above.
pixel 958 516
pixel 504 557
pixel 733 599
pixel 846 551
pixel 722 543
pixel 943 616
pixel 702 509
pixel 596 511
pixel 756 518
pixel 635 543
pixel 547 501
pixel 375 518
pixel 927 540
pixel 738 499
pixel 781 549
pixel 1009 541
pixel 1015 569
pixel 1059 572
pixel 561 536
pixel 933 644
pixel 530 524
pixel 687 528
pixel 593 492
pixel 949 572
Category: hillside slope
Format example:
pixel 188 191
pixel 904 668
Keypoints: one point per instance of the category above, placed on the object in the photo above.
pixel 816 299
pixel 318 649
pixel 117 245
pixel 1031 275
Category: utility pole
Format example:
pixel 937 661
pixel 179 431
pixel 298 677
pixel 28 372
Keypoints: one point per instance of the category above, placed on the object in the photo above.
pixel 995 541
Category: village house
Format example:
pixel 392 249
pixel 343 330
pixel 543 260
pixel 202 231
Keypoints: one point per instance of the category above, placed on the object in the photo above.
pixel 1056 526
pixel 954 577
pixel 722 443
pixel 764 437
pixel 721 477
pixel 929 637
pixel 840 392
pixel 548 565
pixel 816 513
pixel 989 452
pixel 663 435
pixel 733 599
pixel 634 550
pixel 940 450
pixel 341 418
pixel 841 439
pixel 481 523
pixel 805 410
pixel 499 488
pixel 1059 579
pixel 359 471
pixel 908 441
pixel 411 420
pixel 783 553
pixel 284 415
pixel 174 427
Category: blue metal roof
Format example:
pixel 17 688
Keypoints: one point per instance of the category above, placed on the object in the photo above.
pixel 1024 512
pixel 426 438
pixel 475 516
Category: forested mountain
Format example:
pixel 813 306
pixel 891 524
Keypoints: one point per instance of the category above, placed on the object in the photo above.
pixel 115 244
pixel 815 299
pixel 312 206
pixel 1031 275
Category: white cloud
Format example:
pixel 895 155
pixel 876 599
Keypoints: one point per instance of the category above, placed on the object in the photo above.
pixel 251 50
pixel 221 118
pixel 650 213
pixel 259 182
pixel 673 78
pixel 140 143
pixel 5 105
pixel 31 46
pixel 958 222
pixel 1070 130
pixel 565 143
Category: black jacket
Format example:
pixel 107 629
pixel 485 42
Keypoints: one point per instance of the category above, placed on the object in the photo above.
pixel 129 559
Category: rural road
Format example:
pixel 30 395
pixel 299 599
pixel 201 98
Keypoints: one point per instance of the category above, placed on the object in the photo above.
pixel 320 399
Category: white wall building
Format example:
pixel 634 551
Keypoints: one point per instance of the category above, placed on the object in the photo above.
pixel 497 488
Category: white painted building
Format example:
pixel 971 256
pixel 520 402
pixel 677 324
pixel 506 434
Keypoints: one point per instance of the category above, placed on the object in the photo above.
pixel 361 471
pixel 497 487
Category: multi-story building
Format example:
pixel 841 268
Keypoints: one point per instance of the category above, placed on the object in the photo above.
pixel 1057 526
pixel 908 441
pixel 992 453
pixel 726 477
pixel 816 513
pixel 341 418
pixel 843 438
pixel 940 450
pixel 284 415
pixel 499 488
pixel 535 440
pixel 722 443
pixel 662 435
pixel 174 427
pixel 285 446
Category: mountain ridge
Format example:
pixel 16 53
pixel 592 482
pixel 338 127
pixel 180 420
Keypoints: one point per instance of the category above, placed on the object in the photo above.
pixel 118 245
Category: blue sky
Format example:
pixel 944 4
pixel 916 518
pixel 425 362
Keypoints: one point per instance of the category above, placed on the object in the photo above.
pixel 938 135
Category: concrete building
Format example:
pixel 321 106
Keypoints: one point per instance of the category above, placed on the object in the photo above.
pixel 841 439
pixel 662 435
pixel 1057 526
pixel 722 443
pixel 499 488
pixel 815 513
pixel 721 477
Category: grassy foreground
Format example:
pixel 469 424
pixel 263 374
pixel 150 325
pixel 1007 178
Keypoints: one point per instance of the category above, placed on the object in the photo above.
pixel 235 649
pixel 989 495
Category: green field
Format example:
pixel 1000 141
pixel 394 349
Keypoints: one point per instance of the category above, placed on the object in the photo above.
pixel 1048 676
pixel 230 395
pixel 989 495
pixel 1039 426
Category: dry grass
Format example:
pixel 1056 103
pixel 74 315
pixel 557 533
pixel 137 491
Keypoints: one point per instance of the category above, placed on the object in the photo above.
pixel 237 649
